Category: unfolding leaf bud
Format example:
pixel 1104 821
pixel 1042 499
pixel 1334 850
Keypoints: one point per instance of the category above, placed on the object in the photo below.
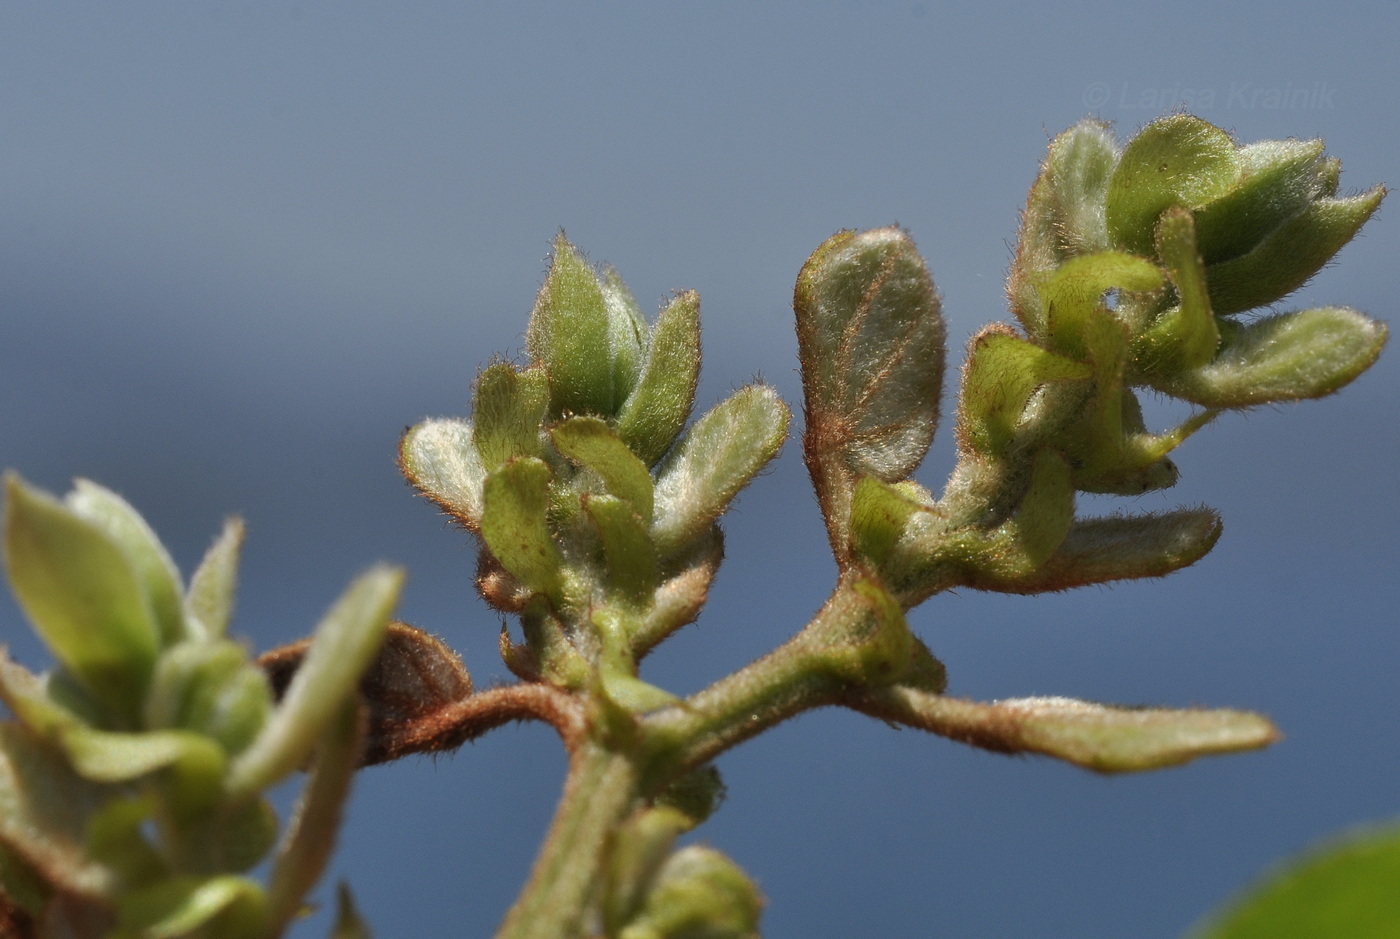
pixel 211 688
pixel 698 892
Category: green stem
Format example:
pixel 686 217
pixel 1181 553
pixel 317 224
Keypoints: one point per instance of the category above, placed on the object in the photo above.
pixel 601 790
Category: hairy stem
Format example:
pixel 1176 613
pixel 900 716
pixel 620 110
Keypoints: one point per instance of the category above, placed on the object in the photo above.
pixel 601 790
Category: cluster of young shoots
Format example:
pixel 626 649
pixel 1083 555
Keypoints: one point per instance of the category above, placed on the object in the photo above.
pixel 133 774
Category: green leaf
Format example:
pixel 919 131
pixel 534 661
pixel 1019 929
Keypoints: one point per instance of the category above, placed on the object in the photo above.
pixel 439 457
pixel 592 444
pixel 211 688
pixel 1064 214
pixel 699 894
pixel 586 344
pixel 715 459
pixel 632 565
pixel 1284 357
pixel 509 408
pixel 516 528
pixel 1278 178
pixel 1184 336
pixel 310 838
pixel 1291 254
pixel 45 810
pixel 1344 888
pixel 345 642
pixel 1175 161
pixel 115 838
pixel 177 907
pixel 870 336
pixel 1100 737
pixel 210 598
pixel 1073 296
pixel 627 330
pixel 642 845
pixel 1002 372
pixel 879 513
pixel 660 404
pixel 125 526
pixel 83 595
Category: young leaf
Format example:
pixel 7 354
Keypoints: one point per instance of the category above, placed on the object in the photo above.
pixel 698 892
pixel 587 345
pixel 125 526
pixel 1278 178
pixel 589 442
pixel 660 404
pixel 716 458
pixel 631 556
pixel 1175 161
pixel 509 407
pixel 84 597
pixel 440 459
pixel 1284 357
pixel 344 644
pixel 348 924
pixel 209 600
pixel 515 527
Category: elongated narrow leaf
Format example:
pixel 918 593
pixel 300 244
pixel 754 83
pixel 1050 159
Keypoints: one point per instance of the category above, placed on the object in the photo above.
pixel 1344 888
pixel 344 644
pixel 660 403
pixel 1290 255
pixel 440 459
pixel 716 458
pixel 83 595
pixel 1278 180
pixel 302 856
pixel 124 525
pixel 209 601
pixel 591 443
pixel 348 924
pixel 1184 336
pixel 1100 737
pixel 516 528
pixel 1285 357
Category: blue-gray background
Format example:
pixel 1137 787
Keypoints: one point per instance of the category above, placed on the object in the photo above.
pixel 243 245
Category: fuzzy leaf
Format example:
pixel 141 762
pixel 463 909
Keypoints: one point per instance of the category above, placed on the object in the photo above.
pixel 345 642
pixel 1002 372
pixel 152 563
pixel 1100 737
pixel 631 556
pixel 1184 336
pixel 715 459
pixel 210 598
pixel 660 404
pixel 589 442
pixel 1064 214
pixel 83 595
pixel 515 527
pixel 1175 161
pixel 509 407
pixel 1291 254
pixel 698 893
pixel 587 345
pixel 1278 179
pixel 870 336
pixel 1285 357
pixel 1344 888
pixel 440 459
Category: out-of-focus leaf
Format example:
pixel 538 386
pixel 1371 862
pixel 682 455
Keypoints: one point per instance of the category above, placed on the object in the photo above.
pixel 211 688
pixel 408 690
pixel 211 594
pixel 177 907
pixel 83 595
pixel 348 924
pixel 1345 888
pixel 440 459
pixel 125 526
pixel 345 642
pixel 699 894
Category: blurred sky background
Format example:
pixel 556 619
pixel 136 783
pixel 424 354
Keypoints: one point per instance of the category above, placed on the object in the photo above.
pixel 243 245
